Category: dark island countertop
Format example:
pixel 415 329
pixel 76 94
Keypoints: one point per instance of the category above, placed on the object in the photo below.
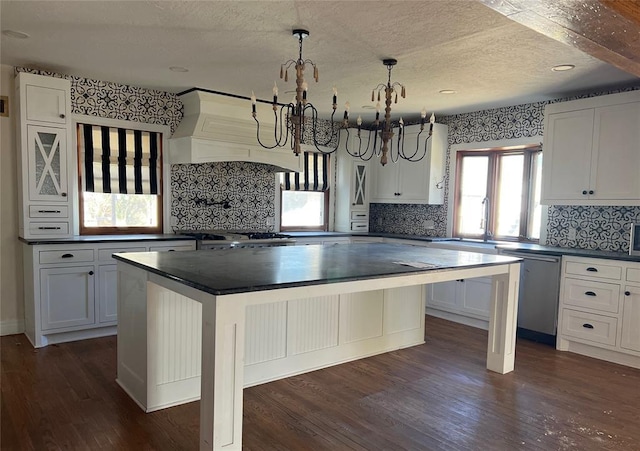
pixel 79 239
pixel 259 269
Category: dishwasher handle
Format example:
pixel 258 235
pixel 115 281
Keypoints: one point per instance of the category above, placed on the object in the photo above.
pixel 528 256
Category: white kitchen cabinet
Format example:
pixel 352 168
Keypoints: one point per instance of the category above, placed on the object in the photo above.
pixel 419 182
pixel 599 312
pixel 352 193
pixel 45 166
pixel 71 288
pixel 67 296
pixel 327 240
pixel 467 301
pixel 591 151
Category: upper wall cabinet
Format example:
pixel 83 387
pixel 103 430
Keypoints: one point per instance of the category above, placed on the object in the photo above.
pixel 352 191
pixel 44 140
pixel 591 151
pixel 419 182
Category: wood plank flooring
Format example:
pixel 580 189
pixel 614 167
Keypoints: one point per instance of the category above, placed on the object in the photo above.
pixel 436 396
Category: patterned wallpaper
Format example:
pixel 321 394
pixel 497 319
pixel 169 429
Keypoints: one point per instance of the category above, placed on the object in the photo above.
pixel 604 228
pixel 116 101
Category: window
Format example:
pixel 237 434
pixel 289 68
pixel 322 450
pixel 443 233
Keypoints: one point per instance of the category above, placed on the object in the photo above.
pixel 120 180
pixel 305 196
pixel 498 194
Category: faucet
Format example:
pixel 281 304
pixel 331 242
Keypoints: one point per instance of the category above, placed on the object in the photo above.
pixel 485 220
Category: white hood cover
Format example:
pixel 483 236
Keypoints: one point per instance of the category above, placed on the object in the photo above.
pixel 216 127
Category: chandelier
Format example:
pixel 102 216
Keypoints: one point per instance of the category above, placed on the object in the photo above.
pixel 385 130
pixel 298 120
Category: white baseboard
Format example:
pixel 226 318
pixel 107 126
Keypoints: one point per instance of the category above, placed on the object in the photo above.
pixel 11 327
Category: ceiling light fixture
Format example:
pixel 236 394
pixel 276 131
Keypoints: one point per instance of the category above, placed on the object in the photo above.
pixel 178 69
pixel 447 91
pixel 385 128
pixel 562 67
pixel 15 34
pixel 299 113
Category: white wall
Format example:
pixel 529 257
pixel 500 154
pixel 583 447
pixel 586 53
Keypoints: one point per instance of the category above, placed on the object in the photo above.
pixel 11 273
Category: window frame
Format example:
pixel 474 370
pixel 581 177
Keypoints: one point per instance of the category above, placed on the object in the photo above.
pixel 507 145
pixel 164 205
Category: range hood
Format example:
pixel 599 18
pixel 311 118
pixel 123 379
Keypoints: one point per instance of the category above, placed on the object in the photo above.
pixel 218 127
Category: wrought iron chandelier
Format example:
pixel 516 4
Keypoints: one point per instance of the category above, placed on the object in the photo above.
pixel 295 118
pixel 386 129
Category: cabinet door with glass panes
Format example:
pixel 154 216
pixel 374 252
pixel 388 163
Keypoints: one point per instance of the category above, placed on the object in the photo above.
pixel 47 159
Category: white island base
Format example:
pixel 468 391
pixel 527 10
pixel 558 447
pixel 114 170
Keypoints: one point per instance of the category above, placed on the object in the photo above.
pixel 177 344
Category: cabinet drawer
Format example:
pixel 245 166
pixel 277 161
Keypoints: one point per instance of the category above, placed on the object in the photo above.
pixel 594 295
pixel 48 228
pixel 357 226
pixel 587 326
pixel 633 275
pixel 181 247
pixel 48 211
pixel 360 216
pixel 594 270
pixel 105 254
pixel 66 256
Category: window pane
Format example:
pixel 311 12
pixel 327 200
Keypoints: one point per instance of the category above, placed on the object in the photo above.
pixel 473 189
pixel 302 208
pixel 535 211
pixel 119 210
pixel 509 195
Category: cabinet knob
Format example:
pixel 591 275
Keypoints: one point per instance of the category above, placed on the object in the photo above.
pixel 90 273
pixel 590 191
pixel 627 293
pixel 587 326
pixel 584 192
pixel 63 194
pixel 62 116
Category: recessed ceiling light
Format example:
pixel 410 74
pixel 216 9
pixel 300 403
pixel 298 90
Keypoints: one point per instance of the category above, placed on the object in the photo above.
pixel 15 34
pixel 178 69
pixel 447 91
pixel 562 67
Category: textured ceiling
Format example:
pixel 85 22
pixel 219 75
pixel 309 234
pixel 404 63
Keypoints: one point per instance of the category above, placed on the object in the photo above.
pixel 238 46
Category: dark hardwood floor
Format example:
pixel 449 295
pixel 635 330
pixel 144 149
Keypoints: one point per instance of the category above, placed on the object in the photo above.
pixel 437 396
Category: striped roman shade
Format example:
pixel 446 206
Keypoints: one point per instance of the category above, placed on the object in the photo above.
pixel 118 160
pixel 314 176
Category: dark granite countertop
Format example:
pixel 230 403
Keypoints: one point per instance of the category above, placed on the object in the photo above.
pixel 106 239
pixel 243 270
pixel 553 250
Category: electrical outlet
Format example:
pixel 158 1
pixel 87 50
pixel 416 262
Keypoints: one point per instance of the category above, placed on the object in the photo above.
pixel 572 233
pixel 429 224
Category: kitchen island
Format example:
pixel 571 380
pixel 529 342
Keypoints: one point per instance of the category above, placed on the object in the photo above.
pixel 212 316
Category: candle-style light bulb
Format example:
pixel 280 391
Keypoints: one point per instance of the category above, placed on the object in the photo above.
pixel 253 102
pixel 423 113
pixel 335 95
pixel 432 119
pixel 305 88
pixel 359 121
pixel 347 106
pixel 401 122
pixel 275 94
pixel 378 107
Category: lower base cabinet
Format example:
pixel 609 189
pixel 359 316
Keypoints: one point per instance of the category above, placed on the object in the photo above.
pixel 71 290
pixel 466 301
pixel 599 313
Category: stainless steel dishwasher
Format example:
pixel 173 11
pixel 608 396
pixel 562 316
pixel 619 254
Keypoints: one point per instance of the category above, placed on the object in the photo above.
pixel 539 294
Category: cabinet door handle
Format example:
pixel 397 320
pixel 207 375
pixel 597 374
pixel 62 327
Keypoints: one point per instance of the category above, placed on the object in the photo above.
pixel 589 293
pixel 592 269
pixel 62 116
pixel 67 256
pixel 627 293
pixel 584 192
pixel 49 228
pixel 49 211
pixel 63 194
pixel 591 191
pixel 90 273
pixel 360 216
pixel 587 326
